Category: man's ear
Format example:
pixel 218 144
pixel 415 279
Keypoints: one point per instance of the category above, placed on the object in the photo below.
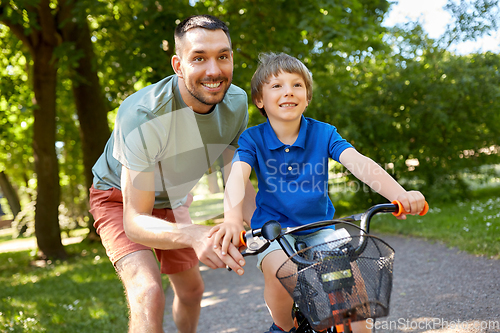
pixel 176 65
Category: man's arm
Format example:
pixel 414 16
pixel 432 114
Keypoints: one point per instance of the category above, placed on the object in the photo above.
pixel 370 173
pixel 143 228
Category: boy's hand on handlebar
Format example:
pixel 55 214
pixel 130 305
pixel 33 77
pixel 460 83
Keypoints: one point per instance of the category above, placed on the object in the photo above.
pixel 226 233
pixel 413 203
pixel 202 244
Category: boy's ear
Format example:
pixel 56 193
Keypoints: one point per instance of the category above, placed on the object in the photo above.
pixel 259 103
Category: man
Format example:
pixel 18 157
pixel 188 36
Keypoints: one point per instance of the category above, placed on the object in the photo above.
pixel 165 138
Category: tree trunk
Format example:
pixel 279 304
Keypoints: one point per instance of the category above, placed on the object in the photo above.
pixel 47 228
pixel 10 193
pixel 87 92
pixel 42 41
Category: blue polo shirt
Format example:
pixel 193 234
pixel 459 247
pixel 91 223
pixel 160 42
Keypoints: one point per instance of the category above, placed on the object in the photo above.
pixel 293 179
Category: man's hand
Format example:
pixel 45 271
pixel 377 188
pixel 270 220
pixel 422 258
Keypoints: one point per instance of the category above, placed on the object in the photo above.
pixel 203 245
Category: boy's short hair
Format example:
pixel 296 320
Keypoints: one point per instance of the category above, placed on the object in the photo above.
pixel 271 64
pixel 208 22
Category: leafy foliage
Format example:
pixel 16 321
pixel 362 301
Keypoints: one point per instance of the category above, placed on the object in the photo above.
pixel 432 109
pixel 471 19
pixel 399 96
pixel 16 154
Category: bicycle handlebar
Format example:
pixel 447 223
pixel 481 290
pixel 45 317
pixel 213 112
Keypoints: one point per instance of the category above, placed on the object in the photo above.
pixel 272 231
pixel 401 210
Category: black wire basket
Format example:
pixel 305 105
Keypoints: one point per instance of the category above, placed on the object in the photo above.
pixel 351 280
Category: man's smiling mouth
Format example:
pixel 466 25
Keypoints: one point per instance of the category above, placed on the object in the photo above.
pixel 212 84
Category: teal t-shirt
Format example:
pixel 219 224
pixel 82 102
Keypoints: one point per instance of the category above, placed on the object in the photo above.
pixel 155 131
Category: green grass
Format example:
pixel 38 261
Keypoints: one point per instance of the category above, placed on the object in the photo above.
pixel 82 294
pixel 472 226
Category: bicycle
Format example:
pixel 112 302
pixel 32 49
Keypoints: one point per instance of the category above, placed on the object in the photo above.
pixel 338 282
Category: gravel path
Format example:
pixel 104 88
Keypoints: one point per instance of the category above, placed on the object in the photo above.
pixel 231 303
pixel 442 290
pixel 436 289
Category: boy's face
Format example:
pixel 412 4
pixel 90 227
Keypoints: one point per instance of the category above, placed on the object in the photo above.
pixel 284 98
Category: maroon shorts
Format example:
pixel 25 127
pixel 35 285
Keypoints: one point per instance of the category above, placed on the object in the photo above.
pixel 107 208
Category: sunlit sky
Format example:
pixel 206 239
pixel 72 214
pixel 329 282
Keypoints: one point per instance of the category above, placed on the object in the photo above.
pixel 434 20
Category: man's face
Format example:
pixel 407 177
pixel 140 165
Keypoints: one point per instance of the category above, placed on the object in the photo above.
pixel 204 68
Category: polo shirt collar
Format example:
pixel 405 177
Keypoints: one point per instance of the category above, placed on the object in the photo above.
pixel 274 143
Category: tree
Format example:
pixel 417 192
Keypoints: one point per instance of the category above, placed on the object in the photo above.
pixel 316 32
pixel 470 20
pixel 321 34
pixel 103 51
pixel 88 94
pixel 10 193
pixel 428 114
pixel 16 153
pixel 42 29
pixel 33 23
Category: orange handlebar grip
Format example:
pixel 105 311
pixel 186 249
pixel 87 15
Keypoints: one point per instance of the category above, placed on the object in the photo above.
pixel 242 238
pixel 425 210
pixel 401 209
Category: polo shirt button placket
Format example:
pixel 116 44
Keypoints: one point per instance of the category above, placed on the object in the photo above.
pixel 289 168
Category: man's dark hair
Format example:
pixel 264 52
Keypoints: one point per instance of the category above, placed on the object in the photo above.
pixel 208 22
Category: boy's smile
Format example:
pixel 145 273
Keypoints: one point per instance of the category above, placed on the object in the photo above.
pixel 284 97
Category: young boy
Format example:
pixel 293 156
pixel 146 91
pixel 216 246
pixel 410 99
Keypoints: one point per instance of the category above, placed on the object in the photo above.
pixel 290 156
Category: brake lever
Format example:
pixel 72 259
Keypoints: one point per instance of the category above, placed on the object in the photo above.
pixel 352 218
pixel 255 246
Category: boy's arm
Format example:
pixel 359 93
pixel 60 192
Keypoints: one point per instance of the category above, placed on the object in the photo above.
pixel 249 200
pixel 234 202
pixel 370 173
pixel 235 193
